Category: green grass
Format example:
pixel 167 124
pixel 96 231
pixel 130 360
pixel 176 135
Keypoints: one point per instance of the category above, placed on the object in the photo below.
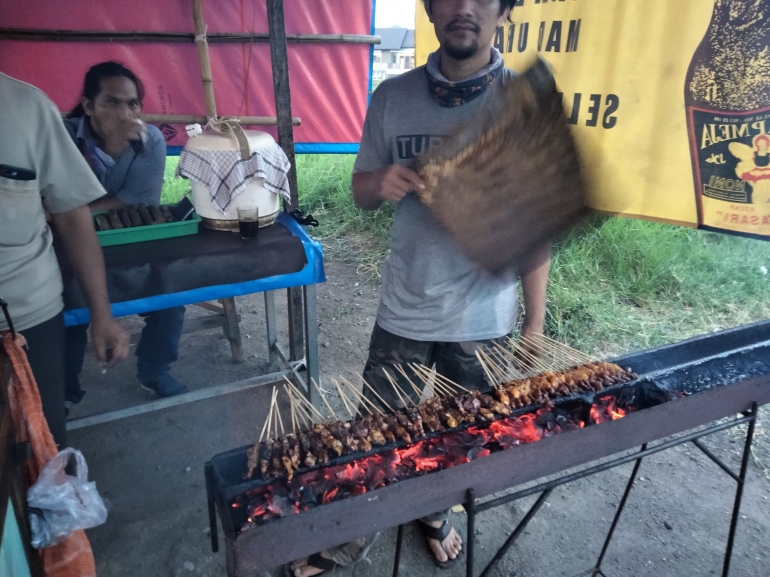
pixel 616 285
pixel 173 188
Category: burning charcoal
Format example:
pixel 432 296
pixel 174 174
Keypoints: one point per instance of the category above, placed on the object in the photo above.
pixel 144 214
pixel 133 215
pixel 156 214
pixel 114 219
pixel 102 222
pixel 308 498
pixel 280 506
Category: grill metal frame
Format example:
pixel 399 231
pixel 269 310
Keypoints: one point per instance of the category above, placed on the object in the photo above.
pixel 276 542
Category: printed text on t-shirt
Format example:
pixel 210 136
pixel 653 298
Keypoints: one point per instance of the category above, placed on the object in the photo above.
pixel 412 145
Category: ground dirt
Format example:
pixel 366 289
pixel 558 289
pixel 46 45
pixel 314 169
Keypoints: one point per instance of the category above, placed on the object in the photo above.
pixel 149 468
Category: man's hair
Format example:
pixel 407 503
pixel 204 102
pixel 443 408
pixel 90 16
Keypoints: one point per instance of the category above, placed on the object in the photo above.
pixel 92 84
pixel 504 4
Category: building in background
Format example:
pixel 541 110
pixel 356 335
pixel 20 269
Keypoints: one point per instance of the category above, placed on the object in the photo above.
pixel 394 54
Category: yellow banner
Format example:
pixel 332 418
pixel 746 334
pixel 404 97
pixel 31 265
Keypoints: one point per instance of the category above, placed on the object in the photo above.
pixel 670 101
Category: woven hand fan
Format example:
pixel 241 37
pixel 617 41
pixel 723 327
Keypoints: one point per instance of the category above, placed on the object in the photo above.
pixel 509 181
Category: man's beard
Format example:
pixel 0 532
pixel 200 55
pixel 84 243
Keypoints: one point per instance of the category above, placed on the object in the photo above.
pixel 462 52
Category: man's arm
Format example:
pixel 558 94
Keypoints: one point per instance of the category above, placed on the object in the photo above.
pixel 107 203
pixel 391 183
pixel 75 229
pixel 534 281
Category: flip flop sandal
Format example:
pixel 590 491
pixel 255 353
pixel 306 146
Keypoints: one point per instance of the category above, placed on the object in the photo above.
pixel 439 534
pixel 317 561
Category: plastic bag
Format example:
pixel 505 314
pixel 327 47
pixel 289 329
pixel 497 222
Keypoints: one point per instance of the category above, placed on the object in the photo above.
pixel 60 503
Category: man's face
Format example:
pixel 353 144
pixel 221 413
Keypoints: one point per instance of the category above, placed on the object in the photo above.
pixel 463 27
pixel 115 110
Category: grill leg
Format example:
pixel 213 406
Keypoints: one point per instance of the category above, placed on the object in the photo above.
pixel 516 532
pixel 739 491
pixel 212 508
pixel 399 543
pixel 621 506
pixel 470 508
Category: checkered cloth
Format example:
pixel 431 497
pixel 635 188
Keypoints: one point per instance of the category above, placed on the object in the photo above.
pixel 226 174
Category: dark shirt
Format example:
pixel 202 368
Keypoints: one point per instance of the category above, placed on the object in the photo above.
pixel 133 177
pixel 761 160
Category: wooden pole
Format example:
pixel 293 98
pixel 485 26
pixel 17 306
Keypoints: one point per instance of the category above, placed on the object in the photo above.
pixel 280 62
pixel 203 56
pixel 191 118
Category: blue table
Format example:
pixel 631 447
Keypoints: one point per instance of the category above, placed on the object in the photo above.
pixel 233 268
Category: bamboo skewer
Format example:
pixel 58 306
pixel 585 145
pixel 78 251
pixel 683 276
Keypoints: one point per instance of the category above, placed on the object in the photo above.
pixel 304 401
pixel 275 420
pixel 328 406
pixel 433 379
pixel 293 411
pixel 362 398
pixel 280 420
pixel 266 425
pixel 427 382
pixel 405 400
pixel 371 388
pixel 499 374
pixel 344 398
pixel 483 364
pixel 354 396
pixel 401 370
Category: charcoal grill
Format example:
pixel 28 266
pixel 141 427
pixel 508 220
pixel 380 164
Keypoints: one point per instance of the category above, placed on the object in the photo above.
pixel 722 375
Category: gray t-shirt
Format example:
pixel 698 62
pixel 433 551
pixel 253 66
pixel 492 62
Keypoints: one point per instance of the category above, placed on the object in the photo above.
pixel 430 290
pixel 33 138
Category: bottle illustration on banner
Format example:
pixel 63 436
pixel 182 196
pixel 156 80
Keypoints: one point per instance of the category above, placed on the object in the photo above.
pixel 727 97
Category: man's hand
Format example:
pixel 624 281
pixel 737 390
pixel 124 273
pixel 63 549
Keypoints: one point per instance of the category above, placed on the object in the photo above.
pixel 75 230
pixel 390 183
pixel 107 334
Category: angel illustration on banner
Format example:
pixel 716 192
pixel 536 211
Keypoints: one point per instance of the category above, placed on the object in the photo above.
pixel 754 166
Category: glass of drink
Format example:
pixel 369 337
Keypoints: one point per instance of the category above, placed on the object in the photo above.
pixel 248 221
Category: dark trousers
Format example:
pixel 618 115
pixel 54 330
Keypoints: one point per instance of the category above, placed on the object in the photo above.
pixel 455 361
pixel 158 347
pixel 45 352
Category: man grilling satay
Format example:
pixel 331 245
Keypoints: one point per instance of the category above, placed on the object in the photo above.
pixel 129 159
pixel 437 307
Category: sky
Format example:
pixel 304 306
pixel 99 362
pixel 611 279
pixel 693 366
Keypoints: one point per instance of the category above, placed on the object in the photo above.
pixel 394 13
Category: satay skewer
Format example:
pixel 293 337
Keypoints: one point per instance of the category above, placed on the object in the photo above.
pixel 420 395
pixel 427 383
pixel 483 364
pixel 266 426
pixel 280 420
pixel 344 398
pixel 574 352
pixel 328 406
pixel 371 388
pixel 362 398
pixel 304 401
pixel 499 374
pixel 293 411
pixel 431 379
pixel 405 400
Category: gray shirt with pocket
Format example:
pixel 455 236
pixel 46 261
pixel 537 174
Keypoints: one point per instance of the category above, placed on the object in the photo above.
pixel 34 139
pixel 430 290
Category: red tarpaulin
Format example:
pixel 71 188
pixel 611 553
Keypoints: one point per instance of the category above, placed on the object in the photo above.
pixel 329 82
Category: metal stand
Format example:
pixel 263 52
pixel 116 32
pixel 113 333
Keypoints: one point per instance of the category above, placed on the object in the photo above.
pixel 280 363
pixel 545 489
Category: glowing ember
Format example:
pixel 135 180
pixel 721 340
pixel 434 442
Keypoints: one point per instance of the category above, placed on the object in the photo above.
pixel 334 482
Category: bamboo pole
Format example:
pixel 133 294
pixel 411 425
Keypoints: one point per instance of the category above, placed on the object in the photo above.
pixel 140 36
pixel 203 57
pixel 193 118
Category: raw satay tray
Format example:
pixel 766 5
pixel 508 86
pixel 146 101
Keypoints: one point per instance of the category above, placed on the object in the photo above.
pixel 168 228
